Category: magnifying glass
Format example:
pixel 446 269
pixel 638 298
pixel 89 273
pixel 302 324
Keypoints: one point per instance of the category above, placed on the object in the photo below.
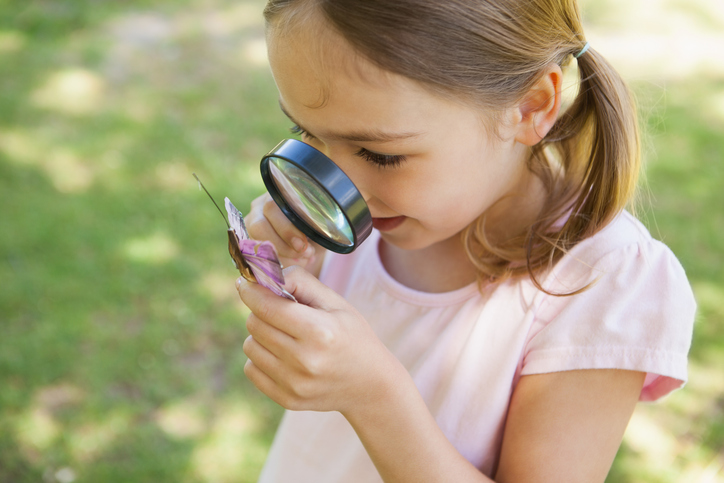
pixel 316 196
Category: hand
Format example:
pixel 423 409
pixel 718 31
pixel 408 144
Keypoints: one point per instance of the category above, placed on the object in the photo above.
pixel 266 221
pixel 319 354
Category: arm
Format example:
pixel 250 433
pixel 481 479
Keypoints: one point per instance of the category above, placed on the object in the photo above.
pixel 561 427
pixel 567 426
pixel 403 439
pixel 321 355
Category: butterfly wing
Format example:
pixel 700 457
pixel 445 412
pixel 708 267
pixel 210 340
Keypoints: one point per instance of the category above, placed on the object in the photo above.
pixel 264 263
pixel 256 261
pixel 238 257
pixel 236 220
pixel 262 256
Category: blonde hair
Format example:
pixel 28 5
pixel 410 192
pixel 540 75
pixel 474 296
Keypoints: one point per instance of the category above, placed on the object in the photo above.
pixel 492 53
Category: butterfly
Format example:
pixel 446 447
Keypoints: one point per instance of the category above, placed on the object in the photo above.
pixel 257 261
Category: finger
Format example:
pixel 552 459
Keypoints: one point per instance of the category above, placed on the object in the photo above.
pixel 262 228
pixel 272 339
pixel 261 357
pixel 259 228
pixel 278 312
pixel 266 385
pixel 284 228
pixel 275 372
pixel 309 291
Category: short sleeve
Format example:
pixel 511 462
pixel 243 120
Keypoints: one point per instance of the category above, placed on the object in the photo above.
pixel 638 314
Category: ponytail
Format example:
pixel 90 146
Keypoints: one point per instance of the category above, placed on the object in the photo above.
pixel 605 114
pixel 597 143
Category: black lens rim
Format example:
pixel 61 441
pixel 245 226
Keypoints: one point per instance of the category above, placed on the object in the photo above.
pixel 332 179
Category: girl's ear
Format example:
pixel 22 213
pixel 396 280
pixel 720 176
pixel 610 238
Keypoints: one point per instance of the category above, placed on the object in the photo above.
pixel 539 108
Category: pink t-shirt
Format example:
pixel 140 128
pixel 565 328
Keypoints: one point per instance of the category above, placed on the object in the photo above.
pixel 466 350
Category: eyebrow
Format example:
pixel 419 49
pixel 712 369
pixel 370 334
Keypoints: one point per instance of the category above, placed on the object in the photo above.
pixel 364 136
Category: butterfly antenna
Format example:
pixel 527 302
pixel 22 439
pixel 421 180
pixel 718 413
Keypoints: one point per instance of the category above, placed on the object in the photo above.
pixel 201 185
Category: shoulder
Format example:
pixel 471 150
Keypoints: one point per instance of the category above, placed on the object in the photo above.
pixel 624 269
pixel 636 312
pixel 623 250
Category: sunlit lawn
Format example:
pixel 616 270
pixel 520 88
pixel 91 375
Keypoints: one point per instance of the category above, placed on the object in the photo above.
pixel 120 350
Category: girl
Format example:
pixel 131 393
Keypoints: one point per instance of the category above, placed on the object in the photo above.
pixel 507 314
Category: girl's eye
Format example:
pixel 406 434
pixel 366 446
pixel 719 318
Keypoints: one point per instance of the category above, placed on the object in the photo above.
pixel 381 160
pixel 300 132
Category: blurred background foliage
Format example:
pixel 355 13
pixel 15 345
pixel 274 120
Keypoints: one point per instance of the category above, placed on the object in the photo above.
pixel 120 351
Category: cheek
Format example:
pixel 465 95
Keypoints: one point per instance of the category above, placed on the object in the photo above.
pixel 447 190
pixel 455 205
pixel 427 197
pixel 389 191
pixel 450 196
pixel 384 189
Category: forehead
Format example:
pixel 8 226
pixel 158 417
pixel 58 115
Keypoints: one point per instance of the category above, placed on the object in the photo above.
pixel 317 62
pixel 319 74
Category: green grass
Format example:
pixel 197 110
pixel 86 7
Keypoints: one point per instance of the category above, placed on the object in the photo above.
pixel 120 354
pixel 682 439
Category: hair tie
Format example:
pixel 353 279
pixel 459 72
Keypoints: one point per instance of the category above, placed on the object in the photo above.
pixel 583 50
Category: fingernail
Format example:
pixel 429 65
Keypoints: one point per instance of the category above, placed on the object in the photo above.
pixel 309 252
pixel 299 244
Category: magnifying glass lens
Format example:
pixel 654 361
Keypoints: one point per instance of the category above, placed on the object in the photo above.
pixel 310 201
pixel 316 196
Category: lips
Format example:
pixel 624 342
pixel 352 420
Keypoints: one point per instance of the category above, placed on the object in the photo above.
pixel 387 224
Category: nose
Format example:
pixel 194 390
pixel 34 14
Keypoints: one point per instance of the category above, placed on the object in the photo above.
pixel 365 195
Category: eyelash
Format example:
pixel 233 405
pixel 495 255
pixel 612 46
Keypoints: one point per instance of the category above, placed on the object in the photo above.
pixel 380 160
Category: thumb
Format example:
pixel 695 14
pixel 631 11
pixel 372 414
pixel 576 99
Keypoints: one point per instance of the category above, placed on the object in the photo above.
pixel 308 290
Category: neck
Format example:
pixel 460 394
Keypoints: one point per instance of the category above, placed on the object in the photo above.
pixel 516 212
pixel 441 267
